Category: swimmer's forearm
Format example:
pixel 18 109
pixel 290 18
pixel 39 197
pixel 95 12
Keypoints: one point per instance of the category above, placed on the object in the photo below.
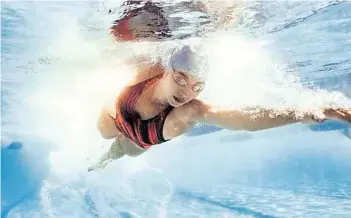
pixel 252 120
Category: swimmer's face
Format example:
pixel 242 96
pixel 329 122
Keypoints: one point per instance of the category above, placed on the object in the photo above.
pixel 181 88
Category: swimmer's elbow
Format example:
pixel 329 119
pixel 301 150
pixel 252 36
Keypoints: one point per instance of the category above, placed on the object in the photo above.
pixel 103 132
pixel 106 126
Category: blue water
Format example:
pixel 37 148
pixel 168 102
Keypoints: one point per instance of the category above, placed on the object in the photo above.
pixel 52 55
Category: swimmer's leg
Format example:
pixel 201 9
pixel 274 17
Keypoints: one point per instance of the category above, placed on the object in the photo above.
pixel 115 152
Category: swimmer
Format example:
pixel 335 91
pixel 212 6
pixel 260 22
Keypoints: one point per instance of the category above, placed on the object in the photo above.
pixel 162 103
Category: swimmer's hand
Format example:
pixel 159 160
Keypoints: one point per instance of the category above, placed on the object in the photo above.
pixel 329 114
pixel 339 114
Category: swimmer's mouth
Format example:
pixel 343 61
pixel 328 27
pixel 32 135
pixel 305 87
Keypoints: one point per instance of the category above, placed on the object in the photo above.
pixel 178 100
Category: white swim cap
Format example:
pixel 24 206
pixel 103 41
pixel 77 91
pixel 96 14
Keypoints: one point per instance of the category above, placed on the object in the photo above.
pixel 188 59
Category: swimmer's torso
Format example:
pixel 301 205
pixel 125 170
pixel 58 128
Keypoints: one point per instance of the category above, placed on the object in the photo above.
pixel 143 132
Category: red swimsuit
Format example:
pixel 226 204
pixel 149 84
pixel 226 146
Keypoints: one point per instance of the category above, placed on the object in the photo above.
pixel 144 133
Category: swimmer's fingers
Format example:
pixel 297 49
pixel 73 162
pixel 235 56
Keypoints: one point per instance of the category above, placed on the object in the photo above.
pixel 343 114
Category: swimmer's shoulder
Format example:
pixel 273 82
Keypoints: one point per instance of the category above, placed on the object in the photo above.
pixel 146 69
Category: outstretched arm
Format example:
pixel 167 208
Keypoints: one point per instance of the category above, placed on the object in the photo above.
pixel 254 119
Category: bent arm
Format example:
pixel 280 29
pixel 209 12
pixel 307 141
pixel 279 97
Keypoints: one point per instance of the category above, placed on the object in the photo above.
pixel 105 123
pixel 145 70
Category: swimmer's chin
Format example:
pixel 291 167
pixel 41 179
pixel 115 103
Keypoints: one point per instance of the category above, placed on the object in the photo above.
pixel 174 103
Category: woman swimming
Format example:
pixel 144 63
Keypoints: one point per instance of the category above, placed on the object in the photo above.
pixel 162 104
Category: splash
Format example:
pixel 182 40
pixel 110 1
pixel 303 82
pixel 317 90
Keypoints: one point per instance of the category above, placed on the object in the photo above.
pixel 243 72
